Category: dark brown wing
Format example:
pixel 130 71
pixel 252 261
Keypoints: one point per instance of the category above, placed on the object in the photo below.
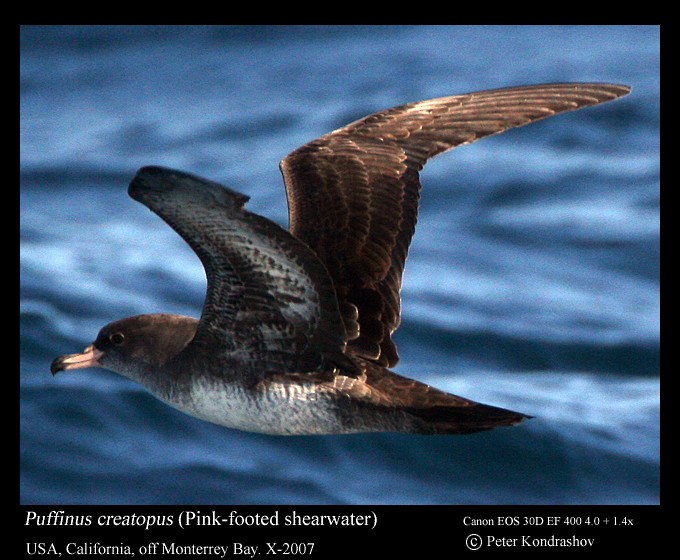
pixel 270 304
pixel 353 194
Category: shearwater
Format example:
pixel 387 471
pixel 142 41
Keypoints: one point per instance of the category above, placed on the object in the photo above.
pixel 296 331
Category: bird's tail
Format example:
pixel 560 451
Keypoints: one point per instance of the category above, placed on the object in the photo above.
pixel 428 410
pixel 468 419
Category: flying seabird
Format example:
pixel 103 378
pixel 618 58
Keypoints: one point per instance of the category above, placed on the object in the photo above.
pixel 296 331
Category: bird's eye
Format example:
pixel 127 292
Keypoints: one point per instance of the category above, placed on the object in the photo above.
pixel 117 338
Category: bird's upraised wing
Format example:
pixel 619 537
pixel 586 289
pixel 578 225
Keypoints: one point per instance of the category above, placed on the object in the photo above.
pixel 353 194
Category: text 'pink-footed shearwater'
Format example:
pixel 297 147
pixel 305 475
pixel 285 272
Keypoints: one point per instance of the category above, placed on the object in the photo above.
pixel 296 331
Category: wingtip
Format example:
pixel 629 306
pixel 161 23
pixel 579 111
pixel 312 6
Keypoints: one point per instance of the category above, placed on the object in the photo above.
pixel 145 177
pixel 604 91
pixel 619 90
pixel 158 179
pixel 626 88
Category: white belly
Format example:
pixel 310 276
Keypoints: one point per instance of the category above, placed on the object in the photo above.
pixel 282 409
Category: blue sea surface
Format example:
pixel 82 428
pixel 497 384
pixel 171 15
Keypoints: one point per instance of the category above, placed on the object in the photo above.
pixel 532 282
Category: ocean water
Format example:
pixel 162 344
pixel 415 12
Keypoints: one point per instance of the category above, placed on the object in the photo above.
pixel 532 282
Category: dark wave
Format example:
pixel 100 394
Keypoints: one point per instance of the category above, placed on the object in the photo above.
pixel 506 352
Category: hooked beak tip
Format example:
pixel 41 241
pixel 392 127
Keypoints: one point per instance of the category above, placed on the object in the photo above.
pixel 56 366
pixel 88 358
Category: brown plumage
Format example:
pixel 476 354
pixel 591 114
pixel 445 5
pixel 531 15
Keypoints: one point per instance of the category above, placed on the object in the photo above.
pixel 365 176
pixel 296 331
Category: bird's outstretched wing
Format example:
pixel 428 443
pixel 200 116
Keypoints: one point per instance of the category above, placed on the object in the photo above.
pixel 353 194
pixel 270 302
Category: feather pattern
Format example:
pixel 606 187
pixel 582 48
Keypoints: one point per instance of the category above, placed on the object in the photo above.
pixel 365 178
pixel 269 301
